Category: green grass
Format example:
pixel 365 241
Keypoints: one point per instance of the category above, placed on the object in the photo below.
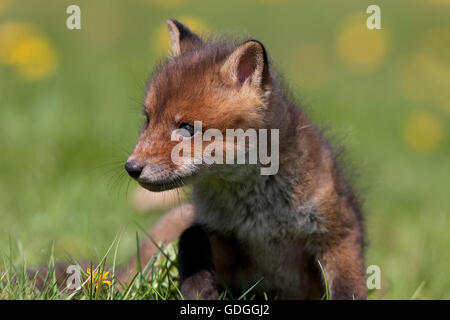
pixel 158 280
pixel 64 138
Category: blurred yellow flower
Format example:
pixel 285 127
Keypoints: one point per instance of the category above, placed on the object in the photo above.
pixel 422 131
pixel 10 34
pixel 362 49
pixel 99 277
pixel 161 39
pixel 29 53
pixel 310 64
pixel 35 58
pixel 425 75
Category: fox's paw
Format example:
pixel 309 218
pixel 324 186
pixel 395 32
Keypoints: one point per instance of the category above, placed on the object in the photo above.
pixel 199 286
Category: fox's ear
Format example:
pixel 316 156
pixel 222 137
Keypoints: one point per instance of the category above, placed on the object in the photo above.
pixel 182 38
pixel 247 64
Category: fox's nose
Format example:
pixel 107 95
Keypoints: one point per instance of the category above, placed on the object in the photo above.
pixel 134 169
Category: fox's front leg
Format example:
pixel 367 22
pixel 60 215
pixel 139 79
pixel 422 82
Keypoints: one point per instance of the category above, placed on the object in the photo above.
pixel 343 265
pixel 196 265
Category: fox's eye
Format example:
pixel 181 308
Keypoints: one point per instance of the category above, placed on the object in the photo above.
pixel 146 117
pixel 189 128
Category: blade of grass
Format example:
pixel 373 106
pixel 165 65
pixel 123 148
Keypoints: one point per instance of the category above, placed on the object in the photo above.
pixel 417 292
pixel 327 292
pixel 250 289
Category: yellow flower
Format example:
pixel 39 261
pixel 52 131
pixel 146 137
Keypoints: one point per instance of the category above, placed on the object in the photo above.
pixel 99 277
pixel 363 50
pixel 423 131
pixel 29 53
pixel 10 34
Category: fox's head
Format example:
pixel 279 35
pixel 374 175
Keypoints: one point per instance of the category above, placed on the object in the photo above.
pixel 224 86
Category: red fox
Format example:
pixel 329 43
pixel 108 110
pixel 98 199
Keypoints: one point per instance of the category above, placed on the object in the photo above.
pixel 244 227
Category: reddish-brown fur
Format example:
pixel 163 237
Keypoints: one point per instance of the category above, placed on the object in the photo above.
pixel 193 85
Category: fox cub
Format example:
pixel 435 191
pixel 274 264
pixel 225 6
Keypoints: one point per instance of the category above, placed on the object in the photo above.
pixel 243 227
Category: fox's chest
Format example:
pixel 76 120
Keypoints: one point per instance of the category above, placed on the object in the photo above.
pixel 256 215
pixel 268 239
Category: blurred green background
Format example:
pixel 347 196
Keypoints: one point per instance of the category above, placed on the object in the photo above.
pixel 70 105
